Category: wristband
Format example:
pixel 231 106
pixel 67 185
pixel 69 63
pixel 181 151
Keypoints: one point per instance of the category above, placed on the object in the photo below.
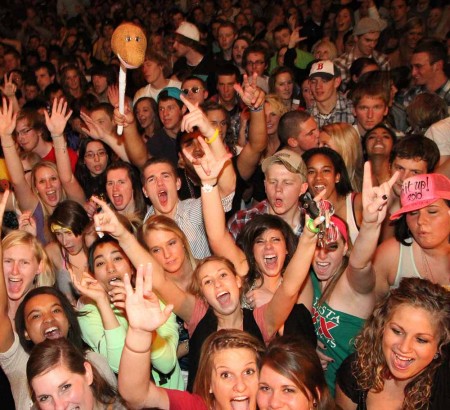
pixel 310 226
pixel 208 187
pixel 258 109
pixel 213 138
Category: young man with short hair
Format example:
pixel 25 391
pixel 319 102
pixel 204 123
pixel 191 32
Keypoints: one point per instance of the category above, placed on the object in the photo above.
pixel 298 131
pixel 101 77
pixel 285 181
pixel 329 105
pixel 428 64
pixel 45 73
pixel 156 70
pixel 367 32
pixel 226 35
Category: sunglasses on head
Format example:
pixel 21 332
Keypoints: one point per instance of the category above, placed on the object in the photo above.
pixel 194 90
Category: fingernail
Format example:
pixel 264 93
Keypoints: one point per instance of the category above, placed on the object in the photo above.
pixel 322 218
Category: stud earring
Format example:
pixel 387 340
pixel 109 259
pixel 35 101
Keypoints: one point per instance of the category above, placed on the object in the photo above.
pixel 436 356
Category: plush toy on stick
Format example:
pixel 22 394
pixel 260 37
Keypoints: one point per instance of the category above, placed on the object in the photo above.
pixel 129 43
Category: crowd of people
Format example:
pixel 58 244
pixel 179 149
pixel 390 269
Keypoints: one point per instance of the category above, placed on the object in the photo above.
pixel 270 230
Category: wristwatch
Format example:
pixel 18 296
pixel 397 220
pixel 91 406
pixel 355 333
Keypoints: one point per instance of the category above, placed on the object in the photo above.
pixel 208 187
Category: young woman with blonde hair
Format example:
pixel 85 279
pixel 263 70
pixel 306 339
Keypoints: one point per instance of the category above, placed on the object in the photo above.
pixel 344 139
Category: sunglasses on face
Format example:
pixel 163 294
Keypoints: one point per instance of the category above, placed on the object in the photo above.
pixel 194 90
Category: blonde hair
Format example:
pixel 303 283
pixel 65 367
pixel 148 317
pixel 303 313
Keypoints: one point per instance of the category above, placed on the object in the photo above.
pixel 332 50
pixel 36 167
pixel 18 237
pixel 164 223
pixel 277 104
pixel 348 146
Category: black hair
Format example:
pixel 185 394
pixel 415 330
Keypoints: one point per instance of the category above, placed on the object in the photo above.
pixel 344 186
pixel 74 334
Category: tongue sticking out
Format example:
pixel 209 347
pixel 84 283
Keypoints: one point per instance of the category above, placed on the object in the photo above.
pixel 238 404
pixel 14 286
pixel 401 363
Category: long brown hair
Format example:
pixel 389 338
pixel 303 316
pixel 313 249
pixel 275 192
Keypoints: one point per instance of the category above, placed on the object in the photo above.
pixel 49 354
pixel 371 368
pixel 218 341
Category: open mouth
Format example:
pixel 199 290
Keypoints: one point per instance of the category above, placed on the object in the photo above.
pixel 163 197
pixel 319 188
pixel 223 298
pixel 115 279
pixel 52 333
pixel 402 362
pixel 240 403
pixel 52 196
pixel 14 284
pixel 270 260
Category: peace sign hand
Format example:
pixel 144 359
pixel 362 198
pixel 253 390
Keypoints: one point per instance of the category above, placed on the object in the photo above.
pixel 375 199
pixel 251 95
pixel 9 88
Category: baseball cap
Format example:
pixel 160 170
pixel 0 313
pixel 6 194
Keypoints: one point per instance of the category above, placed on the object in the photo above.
pixel 368 25
pixel 173 92
pixel 290 159
pixel 420 191
pixel 188 30
pixel 325 69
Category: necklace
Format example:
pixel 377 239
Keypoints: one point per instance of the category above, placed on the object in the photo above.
pixel 427 268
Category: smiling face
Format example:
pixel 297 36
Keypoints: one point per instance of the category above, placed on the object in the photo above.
pixel 284 86
pixel 327 260
pixel 167 248
pixel 278 392
pixel 410 341
pixel 110 264
pixel 95 158
pixel 59 388
pixel 45 319
pixel 20 267
pixel 283 189
pixel 430 226
pixel 119 189
pixel 272 119
pixel 48 186
pixel 234 379
pixel 379 142
pixel 161 187
pixel 220 287
pixel 270 252
pixel 321 175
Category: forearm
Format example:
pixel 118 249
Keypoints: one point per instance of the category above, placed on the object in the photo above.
pixel 134 370
pixel 117 144
pixel 365 245
pixel 134 146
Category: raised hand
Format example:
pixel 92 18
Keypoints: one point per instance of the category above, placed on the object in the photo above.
pixel 375 199
pixel 107 221
pixel 142 305
pixel 56 123
pixel 113 95
pixel 251 95
pixel 7 118
pixel 9 88
pixel 196 118
pixel 125 119
pixel 93 129
pixel 89 286
pixel 295 37
pixel 117 295
pixel 28 223
pixel 207 167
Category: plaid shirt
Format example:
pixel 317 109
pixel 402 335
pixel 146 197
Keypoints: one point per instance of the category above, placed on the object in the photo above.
pixel 240 218
pixel 189 218
pixel 410 94
pixel 345 61
pixel 342 112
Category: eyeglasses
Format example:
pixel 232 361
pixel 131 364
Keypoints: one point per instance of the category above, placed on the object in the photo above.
pixel 194 90
pixel 91 155
pixel 24 131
